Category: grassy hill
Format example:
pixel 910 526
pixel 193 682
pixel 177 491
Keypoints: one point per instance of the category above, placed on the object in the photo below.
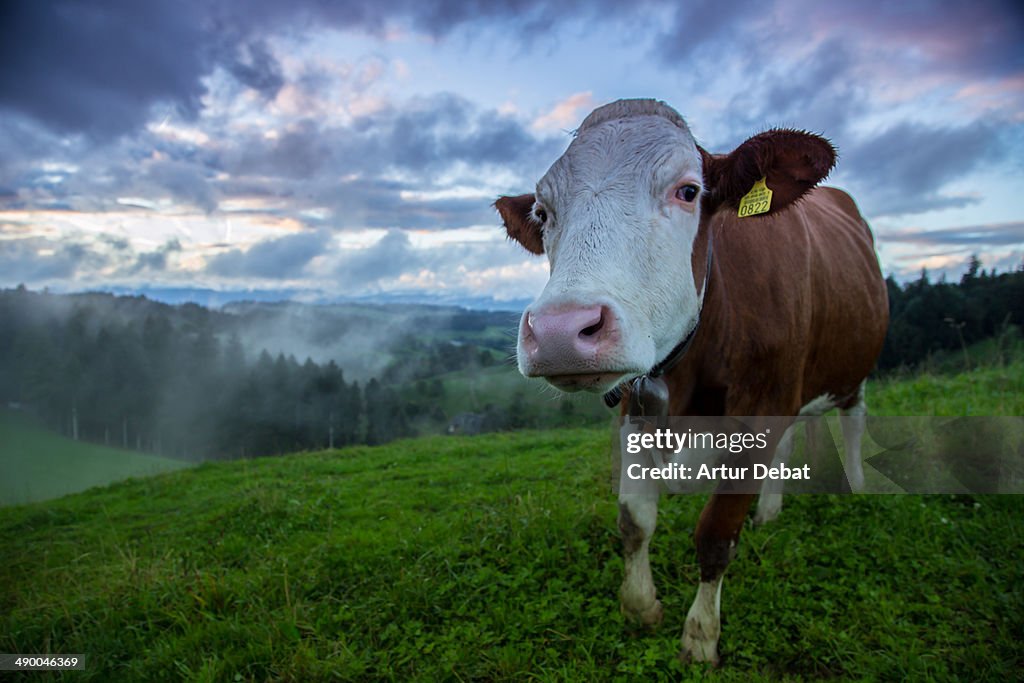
pixel 38 465
pixel 497 558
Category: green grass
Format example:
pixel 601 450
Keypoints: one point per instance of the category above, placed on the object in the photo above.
pixel 995 390
pixel 38 465
pixel 497 558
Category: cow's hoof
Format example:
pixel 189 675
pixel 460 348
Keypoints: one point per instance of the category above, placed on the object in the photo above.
pixel 766 517
pixel 699 652
pixel 769 505
pixel 700 642
pixel 648 618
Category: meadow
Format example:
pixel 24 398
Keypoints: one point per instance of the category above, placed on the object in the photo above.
pixel 36 464
pixel 496 557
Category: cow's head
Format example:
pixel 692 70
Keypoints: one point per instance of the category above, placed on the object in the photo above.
pixel 617 215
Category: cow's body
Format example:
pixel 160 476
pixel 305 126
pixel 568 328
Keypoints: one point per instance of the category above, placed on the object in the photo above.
pixel 791 319
pixel 795 310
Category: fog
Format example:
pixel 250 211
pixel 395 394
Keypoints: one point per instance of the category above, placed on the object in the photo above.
pixel 248 379
pixel 360 338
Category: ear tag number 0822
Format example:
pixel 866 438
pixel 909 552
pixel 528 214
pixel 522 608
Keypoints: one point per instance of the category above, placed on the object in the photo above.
pixel 758 200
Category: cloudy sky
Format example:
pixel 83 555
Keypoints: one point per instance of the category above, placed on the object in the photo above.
pixel 354 148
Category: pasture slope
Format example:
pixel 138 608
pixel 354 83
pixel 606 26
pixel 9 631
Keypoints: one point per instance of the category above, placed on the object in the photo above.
pixel 497 558
pixel 39 465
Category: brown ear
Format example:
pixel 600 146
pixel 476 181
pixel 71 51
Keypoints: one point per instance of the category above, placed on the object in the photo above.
pixel 515 211
pixel 793 162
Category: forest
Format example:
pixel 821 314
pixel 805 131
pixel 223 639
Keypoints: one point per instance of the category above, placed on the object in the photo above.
pixel 189 382
pixel 927 317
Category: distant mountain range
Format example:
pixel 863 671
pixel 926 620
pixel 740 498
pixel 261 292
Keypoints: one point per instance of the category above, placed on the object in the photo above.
pixel 212 298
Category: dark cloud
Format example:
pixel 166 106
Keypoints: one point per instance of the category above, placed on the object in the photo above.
pixel 394 255
pixel 700 24
pixel 821 96
pixel 354 269
pixel 369 202
pixel 37 259
pixel 911 168
pixel 359 269
pixel 280 258
pixel 968 37
pixel 186 182
pixel 299 152
pixel 989 235
pixel 433 133
pixel 154 261
pixel 820 66
pixel 97 68
pixel 46 171
pixel 388 258
pixel 258 69
pixel 352 169
pixel 440 18
pixel 24 145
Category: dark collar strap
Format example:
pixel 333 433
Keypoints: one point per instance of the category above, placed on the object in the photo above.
pixel 613 397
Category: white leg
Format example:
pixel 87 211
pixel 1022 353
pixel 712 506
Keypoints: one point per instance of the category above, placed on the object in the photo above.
pixel 638 514
pixel 814 441
pixel 853 420
pixel 704 623
pixel 769 503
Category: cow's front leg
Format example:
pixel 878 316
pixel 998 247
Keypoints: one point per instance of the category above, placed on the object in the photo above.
pixel 638 514
pixel 717 534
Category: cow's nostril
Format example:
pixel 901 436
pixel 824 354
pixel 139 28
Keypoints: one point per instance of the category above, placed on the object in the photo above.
pixel 593 329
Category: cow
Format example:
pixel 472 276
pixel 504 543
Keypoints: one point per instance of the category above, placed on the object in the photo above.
pixel 782 312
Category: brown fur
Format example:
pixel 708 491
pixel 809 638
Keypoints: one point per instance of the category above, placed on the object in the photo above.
pixel 796 307
pixel 515 212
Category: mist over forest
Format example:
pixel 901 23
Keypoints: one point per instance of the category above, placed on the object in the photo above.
pixel 247 379
pixel 255 378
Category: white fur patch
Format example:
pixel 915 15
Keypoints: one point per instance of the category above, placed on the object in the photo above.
pixel 703 623
pixel 637 595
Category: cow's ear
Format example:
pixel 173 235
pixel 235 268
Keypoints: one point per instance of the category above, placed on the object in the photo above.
pixel 520 225
pixel 790 161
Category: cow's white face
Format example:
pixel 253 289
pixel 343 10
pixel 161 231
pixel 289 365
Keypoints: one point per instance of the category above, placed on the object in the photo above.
pixel 617 216
pixel 619 212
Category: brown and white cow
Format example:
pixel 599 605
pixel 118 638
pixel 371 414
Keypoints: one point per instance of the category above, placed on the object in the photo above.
pixel 790 321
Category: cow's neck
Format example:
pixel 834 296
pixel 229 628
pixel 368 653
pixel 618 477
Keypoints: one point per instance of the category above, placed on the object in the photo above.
pixel 649 394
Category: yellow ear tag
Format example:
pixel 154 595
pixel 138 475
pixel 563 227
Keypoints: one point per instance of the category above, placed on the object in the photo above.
pixel 758 200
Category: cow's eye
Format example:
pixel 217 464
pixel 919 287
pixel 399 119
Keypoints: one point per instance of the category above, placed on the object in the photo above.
pixel 687 193
pixel 540 214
